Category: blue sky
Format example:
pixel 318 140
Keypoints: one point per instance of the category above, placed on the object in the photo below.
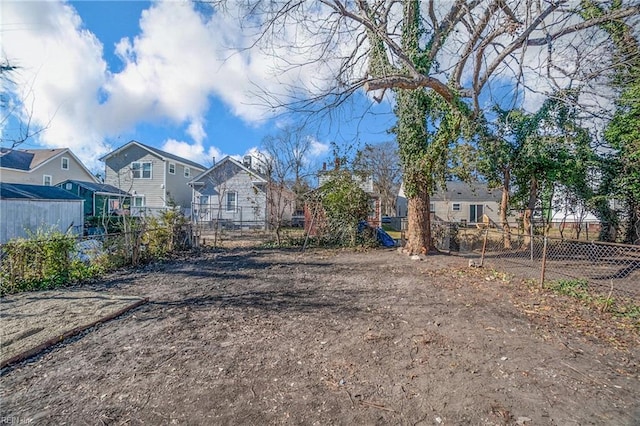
pixel 96 74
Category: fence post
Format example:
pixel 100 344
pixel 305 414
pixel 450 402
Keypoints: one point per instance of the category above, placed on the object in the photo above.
pixel 544 261
pixel 531 239
pixel 484 247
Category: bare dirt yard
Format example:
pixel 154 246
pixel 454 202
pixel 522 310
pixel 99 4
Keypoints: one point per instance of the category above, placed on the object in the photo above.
pixel 262 336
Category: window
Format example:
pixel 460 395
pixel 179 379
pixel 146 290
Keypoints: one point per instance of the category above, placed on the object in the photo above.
pixel 46 180
pixel 138 201
pixel 432 207
pixel 65 163
pixel 204 200
pixel 455 207
pixel 476 211
pixel 231 201
pixel 68 186
pixel 141 170
pixel 187 172
pixel 114 204
pixel 172 168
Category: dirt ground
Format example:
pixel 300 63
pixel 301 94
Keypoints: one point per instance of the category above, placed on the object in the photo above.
pixel 253 336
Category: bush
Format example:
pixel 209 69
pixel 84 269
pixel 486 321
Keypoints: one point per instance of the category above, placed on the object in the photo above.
pixel 40 262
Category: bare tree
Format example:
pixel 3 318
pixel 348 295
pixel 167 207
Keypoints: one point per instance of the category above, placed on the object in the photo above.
pixel 459 50
pixel 382 163
pixel 287 160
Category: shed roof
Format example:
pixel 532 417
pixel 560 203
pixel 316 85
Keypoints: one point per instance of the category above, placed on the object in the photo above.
pixel 96 187
pixel 12 191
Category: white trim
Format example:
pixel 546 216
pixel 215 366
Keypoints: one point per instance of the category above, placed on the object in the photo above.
pixel 141 170
pixel 62 160
pixel 44 180
pixel 235 201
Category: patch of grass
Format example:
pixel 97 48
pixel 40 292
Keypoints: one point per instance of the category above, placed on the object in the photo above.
pixel 578 288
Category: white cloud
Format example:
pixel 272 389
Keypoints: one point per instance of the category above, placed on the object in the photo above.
pixel 194 152
pixel 318 149
pixel 171 68
pixel 61 71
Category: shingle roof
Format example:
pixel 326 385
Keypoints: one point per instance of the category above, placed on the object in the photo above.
pixel 10 191
pixel 232 160
pixel 463 191
pixel 26 159
pixel 158 152
pixel 95 187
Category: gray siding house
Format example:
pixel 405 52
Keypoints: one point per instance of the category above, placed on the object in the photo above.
pixel 155 179
pixel 26 209
pixel 461 202
pixel 41 166
pixel 237 195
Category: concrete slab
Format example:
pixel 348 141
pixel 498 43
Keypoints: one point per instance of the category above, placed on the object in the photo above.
pixel 31 322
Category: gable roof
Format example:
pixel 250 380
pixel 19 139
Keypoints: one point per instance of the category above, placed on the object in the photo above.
pixel 160 153
pixel 102 188
pixel 28 160
pixel 12 191
pixel 463 191
pixel 260 176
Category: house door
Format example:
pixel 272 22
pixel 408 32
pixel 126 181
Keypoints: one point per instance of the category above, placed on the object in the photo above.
pixel 475 213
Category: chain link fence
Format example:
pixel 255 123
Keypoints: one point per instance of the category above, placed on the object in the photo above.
pixel 607 268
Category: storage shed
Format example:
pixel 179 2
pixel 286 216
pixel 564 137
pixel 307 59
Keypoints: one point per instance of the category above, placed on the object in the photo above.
pixel 25 209
pixel 100 199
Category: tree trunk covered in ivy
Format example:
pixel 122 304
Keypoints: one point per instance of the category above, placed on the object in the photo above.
pixel 411 132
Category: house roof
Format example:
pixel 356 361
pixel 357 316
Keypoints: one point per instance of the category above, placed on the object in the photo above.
pixel 463 191
pixel 27 160
pixel 260 176
pixel 11 191
pixel 162 154
pixel 96 187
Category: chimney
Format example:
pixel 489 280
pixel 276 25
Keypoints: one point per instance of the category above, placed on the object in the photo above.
pixel 324 167
pixel 213 161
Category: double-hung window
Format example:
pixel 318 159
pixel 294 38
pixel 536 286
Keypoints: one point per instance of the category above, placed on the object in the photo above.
pixel 141 169
pixel 172 168
pixel 232 201
pixel 187 172
pixel 65 163
pixel 46 180
pixel 455 207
